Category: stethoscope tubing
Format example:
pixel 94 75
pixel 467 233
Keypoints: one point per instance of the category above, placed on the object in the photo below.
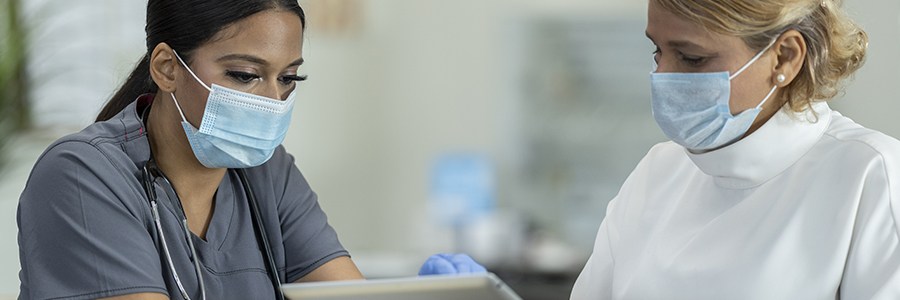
pixel 162 238
pixel 259 227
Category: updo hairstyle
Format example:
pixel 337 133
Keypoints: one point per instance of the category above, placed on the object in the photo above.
pixel 836 46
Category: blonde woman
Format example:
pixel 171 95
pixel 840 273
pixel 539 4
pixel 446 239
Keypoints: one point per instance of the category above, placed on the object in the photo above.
pixel 764 192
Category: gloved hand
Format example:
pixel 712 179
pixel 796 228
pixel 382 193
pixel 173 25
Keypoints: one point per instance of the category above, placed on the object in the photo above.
pixel 448 263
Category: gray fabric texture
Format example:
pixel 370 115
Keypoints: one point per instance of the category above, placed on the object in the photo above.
pixel 86 229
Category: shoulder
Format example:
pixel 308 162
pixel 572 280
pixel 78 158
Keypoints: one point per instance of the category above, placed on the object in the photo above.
pixel 859 151
pixel 664 166
pixel 668 149
pixel 119 140
pixel 97 146
pixel 875 154
pixel 100 163
pixel 664 156
pixel 855 142
pixel 846 130
pixel 76 151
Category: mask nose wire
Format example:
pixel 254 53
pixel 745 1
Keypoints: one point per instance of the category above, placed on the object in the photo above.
pixel 758 55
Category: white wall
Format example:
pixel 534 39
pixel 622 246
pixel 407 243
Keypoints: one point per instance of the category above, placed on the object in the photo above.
pixel 79 52
pixel 873 98
pixel 422 78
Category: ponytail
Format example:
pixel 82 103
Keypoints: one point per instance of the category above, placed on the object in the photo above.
pixel 138 83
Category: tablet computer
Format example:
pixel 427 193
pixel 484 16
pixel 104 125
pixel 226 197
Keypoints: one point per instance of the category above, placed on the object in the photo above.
pixel 435 287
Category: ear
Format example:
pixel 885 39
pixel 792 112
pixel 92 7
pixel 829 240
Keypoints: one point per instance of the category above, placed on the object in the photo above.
pixel 790 51
pixel 163 65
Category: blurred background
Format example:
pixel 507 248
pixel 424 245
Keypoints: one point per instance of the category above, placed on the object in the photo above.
pixel 500 128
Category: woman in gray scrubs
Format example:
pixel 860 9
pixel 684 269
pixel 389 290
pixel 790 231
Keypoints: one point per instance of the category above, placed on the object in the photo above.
pixel 153 201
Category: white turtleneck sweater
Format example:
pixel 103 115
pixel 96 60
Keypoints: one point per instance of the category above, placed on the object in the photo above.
pixel 806 207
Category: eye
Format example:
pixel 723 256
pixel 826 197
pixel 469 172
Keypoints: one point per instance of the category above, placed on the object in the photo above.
pixel 243 77
pixel 692 61
pixel 288 79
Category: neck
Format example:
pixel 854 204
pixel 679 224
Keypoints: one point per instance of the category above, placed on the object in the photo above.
pixel 769 109
pixel 194 183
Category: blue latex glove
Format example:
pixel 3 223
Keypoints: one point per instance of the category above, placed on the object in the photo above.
pixel 447 263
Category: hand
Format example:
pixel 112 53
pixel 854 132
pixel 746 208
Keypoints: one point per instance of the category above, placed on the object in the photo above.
pixel 447 263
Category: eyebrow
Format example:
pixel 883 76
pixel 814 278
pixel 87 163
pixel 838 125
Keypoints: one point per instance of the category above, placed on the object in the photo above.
pixel 679 44
pixel 254 59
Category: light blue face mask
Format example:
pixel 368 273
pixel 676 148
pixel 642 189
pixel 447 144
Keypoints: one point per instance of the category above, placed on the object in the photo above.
pixel 692 108
pixel 238 130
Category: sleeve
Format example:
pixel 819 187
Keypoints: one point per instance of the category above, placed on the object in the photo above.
pixel 873 263
pixel 308 240
pixel 79 234
pixel 595 280
pixel 872 270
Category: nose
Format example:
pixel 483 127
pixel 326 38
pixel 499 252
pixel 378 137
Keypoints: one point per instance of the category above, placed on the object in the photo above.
pixel 272 90
pixel 662 67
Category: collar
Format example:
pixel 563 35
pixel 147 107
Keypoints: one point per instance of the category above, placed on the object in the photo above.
pixel 128 125
pixel 768 151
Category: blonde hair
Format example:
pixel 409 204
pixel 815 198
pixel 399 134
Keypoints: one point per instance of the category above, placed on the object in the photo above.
pixel 836 46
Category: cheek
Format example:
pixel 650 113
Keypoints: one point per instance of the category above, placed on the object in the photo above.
pixel 193 101
pixel 748 92
pixel 739 97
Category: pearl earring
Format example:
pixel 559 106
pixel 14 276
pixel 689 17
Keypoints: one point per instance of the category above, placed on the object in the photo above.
pixel 780 78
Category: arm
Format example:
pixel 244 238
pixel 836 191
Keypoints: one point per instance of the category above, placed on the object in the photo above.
pixel 872 269
pixel 341 268
pixel 595 280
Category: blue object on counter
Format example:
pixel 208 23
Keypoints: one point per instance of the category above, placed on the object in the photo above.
pixel 462 188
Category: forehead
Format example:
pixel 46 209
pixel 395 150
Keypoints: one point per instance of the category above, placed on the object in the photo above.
pixel 663 26
pixel 273 35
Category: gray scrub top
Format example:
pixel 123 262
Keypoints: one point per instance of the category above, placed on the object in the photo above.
pixel 86 230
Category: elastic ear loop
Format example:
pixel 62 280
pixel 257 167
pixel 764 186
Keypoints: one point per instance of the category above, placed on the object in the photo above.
pixel 758 55
pixel 195 77
pixel 189 70
pixel 179 107
pixel 767 96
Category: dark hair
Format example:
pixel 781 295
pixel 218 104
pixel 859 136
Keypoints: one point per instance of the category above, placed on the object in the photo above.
pixel 185 25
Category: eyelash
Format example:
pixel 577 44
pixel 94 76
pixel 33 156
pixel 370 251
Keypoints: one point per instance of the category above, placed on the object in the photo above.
pixel 287 79
pixel 689 61
pixel 245 77
pixel 692 61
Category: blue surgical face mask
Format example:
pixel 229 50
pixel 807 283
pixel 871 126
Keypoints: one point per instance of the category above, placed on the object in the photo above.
pixel 238 130
pixel 693 108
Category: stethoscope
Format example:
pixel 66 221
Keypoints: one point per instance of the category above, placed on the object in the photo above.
pixel 149 170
